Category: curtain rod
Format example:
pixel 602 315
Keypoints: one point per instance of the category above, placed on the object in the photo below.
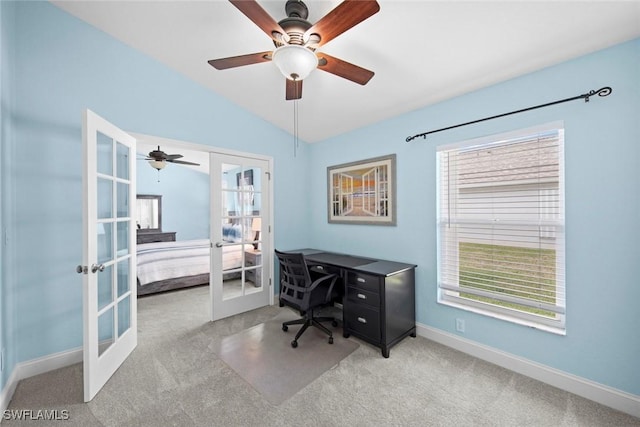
pixel 605 91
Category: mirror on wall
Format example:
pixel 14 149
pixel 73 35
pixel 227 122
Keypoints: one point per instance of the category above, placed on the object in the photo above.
pixel 149 213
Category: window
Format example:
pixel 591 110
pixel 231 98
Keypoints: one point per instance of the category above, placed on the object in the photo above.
pixel 501 226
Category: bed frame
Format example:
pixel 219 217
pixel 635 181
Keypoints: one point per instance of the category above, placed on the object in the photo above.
pixel 173 284
pixel 178 283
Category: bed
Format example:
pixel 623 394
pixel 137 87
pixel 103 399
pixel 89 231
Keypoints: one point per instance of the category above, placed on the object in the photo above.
pixel 164 266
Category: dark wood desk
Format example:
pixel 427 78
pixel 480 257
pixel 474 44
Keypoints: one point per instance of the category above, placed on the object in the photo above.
pixel 379 296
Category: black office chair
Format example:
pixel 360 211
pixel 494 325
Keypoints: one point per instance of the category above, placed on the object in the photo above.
pixel 298 291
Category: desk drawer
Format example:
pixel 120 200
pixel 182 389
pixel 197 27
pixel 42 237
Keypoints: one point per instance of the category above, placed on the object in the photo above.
pixel 360 296
pixel 368 282
pixel 363 320
pixel 323 269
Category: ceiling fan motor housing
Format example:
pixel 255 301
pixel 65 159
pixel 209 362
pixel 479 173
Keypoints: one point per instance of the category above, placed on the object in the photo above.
pixel 295 24
pixel 296 8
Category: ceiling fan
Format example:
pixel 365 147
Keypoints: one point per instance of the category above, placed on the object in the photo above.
pixel 296 41
pixel 158 159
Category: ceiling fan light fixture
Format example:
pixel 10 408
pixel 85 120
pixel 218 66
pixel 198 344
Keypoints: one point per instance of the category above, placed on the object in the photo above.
pixel 158 164
pixel 295 62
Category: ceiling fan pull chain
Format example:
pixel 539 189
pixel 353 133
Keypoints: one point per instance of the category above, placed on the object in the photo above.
pixel 295 126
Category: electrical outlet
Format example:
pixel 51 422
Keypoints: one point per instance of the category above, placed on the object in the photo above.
pixel 460 325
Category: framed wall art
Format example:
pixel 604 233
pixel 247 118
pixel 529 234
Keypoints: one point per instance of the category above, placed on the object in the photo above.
pixel 363 192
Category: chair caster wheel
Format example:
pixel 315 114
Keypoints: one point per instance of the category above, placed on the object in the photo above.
pixel 330 340
pixel 294 343
pixel 334 323
pixel 285 328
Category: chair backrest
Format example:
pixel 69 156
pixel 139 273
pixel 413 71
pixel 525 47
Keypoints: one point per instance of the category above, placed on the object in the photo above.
pixel 294 279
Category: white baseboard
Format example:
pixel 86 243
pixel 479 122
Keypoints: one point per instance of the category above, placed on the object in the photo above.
pixel 605 395
pixel 36 367
pixel 8 390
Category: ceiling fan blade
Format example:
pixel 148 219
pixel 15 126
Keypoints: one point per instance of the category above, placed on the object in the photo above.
pixel 174 156
pixel 261 18
pixel 344 69
pixel 239 61
pixel 294 89
pixel 346 15
pixel 182 162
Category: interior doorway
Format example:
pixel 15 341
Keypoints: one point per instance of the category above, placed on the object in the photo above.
pixel 236 198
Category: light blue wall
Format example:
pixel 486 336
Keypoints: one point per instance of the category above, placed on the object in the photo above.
pixel 7 307
pixel 59 66
pixel 62 66
pixel 602 150
pixel 185 198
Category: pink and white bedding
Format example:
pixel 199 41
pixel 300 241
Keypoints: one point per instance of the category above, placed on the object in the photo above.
pixel 168 260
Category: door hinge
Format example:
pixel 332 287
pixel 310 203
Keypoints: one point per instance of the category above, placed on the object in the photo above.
pixel 269 281
pixel 268 175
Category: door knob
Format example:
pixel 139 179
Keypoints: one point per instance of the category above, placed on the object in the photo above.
pixel 219 244
pixel 96 267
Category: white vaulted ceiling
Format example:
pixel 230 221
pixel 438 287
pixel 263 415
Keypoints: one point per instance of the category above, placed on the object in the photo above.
pixel 422 52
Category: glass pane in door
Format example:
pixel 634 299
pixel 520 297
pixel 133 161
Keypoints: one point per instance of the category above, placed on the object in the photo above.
pixel 105 242
pixel 253 212
pixel 231 232
pixel 124 315
pixel 105 288
pixel 104 149
pixel 241 227
pixel 124 269
pixel 122 161
pixel 105 331
pixel 105 198
pixel 123 199
pixel 123 238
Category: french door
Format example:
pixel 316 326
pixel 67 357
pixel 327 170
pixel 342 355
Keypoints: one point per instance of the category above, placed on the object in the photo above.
pixel 240 216
pixel 109 251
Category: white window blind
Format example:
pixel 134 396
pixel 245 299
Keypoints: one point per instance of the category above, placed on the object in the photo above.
pixel 501 225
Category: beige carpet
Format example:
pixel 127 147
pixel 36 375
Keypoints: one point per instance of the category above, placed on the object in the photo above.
pixel 263 356
pixel 174 378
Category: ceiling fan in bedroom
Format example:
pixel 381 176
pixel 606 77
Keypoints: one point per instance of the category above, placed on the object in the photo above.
pixel 158 159
pixel 296 41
